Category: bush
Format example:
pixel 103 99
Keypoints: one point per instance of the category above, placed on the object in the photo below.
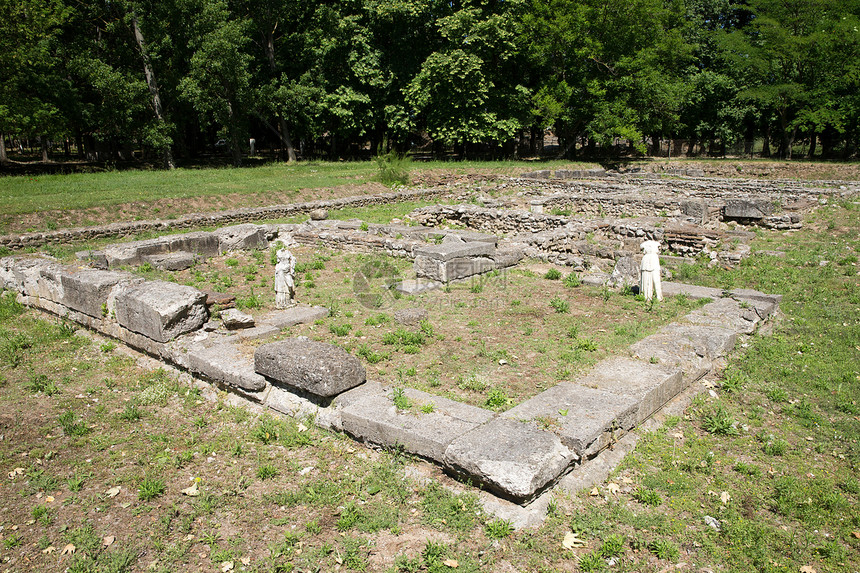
pixel 393 168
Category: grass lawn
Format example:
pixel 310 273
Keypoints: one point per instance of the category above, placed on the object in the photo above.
pixel 112 467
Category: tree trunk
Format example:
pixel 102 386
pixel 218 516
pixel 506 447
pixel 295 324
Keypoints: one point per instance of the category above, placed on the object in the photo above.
pixel 813 138
pixel 149 72
pixel 3 158
pixel 765 148
pixel 282 123
pixel 44 144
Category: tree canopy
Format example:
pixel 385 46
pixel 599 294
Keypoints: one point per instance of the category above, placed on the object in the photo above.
pixel 173 77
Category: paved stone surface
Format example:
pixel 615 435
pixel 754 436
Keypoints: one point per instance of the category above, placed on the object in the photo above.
pixel 88 290
pixel 299 314
pixel 224 364
pixel 374 418
pixel 511 458
pixel 241 237
pixel 725 313
pixel 691 291
pixel 670 349
pixel 161 310
pixel 235 319
pixel 584 418
pixel 711 341
pixel 321 369
pixel 411 317
pixel 650 385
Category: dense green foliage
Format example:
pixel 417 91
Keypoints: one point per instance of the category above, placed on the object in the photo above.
pixel 173 77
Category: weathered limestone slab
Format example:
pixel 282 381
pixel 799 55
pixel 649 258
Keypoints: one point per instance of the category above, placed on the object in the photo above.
pixel 178 261
pixel 475 236
pixel 93 257
pixel 241 237
pixel 651 385
pixel 626 272
pixel 747 208
pixel 725 313
pixel 161 310
pixel 691 291
pixel 224 364
pixel 299 314
pixel 583 417
pixel 235 319
pixel 258 332
pixel 374 418
pixel 321 369
pixel 33 277
pixel 669 349
pixel 88 290
pixel 511 458
pixel 453 269
pixel 711 341
pixel 448 250
pixel 133 253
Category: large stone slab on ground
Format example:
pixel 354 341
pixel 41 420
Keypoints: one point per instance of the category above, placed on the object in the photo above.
pixel 223 363
pixel 448 250
pixel 417 286
pixel 161 310
pixel 321 369
pixel 711 341
pixel 375 419
pixel 39 278
pixel 668 348
pixel 241 237
pixel 511 458
pixel 411 317
pixel 584 418
pixel 691 291
pixel 454 269
pixel 299 314
pixel 470 236
pixel 88 290
pixel 726 313
pixel 178 261
pixel 134 253
pixel 651 385
pixel 747 208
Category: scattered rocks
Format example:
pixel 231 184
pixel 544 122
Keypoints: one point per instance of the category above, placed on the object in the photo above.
pixel 234 319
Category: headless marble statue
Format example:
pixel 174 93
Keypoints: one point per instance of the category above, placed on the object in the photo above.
pixel 285 285
pixel 649 271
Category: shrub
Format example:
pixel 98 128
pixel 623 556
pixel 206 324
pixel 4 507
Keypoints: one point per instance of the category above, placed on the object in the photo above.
pixel 552 274
pixel 393 168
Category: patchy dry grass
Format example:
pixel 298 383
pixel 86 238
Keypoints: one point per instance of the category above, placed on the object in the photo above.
pixel 96 451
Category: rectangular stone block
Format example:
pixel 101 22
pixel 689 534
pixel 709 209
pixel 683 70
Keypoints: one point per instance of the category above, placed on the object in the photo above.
pixel 691 291
pixel 747 208
pixel 241 237
pixel 88 290
pixel 161 310
pixel 446 251
pixel 178 261
pixel 669 349
pixel 725 313
pixel 224 364
pixel 583 418
pixel 513 459
pixel 475 236
pixel 650 385
pixel 375 419
pixel 299 314
pixel 321 369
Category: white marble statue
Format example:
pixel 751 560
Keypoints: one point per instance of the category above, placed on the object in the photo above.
pixel 285 284
pixel 649 271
